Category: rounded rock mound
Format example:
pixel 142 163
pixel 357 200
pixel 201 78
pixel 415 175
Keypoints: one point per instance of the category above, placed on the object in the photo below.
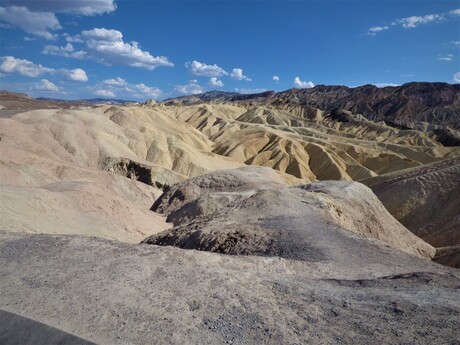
pixel 249 212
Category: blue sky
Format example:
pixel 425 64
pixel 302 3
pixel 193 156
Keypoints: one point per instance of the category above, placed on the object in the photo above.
pixel 137 50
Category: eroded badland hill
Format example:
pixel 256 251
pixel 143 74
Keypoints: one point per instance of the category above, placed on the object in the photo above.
pixel 317 216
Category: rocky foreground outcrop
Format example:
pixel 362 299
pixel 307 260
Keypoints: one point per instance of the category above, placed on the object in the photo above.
pixel 322 263
pixel 251 211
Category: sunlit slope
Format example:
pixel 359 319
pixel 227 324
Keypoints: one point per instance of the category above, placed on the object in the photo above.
pixel 308 143
pixel 60 156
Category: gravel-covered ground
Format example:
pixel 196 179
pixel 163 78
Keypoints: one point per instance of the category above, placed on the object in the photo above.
pixel 116 293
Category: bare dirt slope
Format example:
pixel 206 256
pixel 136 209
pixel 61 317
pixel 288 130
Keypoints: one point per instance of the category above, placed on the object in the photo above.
pixel 114 293
pixel 105 205
pixel 63 170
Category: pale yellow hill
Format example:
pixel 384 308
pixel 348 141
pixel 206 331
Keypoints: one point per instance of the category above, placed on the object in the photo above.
pixel 306 143
pixel 59 170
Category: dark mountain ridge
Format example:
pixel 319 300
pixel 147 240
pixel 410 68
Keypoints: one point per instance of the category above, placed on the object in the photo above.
pixel 405 106
pixel 88 100
pixel 221 96
pixel 434 103
pixel 427 102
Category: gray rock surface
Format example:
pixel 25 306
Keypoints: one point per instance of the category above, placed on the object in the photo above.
pixel 246 211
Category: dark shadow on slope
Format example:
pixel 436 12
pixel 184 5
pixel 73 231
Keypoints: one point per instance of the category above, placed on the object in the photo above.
pixel 16 329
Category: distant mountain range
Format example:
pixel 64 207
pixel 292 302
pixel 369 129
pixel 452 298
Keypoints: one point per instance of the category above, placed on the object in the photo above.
pixel 435 103
pixel 417 102
pixel 89 100
pixel 14 102
pixel 222 96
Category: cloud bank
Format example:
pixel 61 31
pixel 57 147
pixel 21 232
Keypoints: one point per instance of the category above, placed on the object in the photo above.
pixel 12 65
pixel 415 21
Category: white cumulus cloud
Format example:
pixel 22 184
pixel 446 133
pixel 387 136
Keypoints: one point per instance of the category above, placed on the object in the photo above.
pixel 303 84
pixel 378 28
pixel 46 85
pixel 72 39
pixel 249 91
pixel 192 88
pixel 456 77
pixel 10 64
pixel 107 46
pixel 67 51
pixel 118 86
pixel 146 91
pixel 373 30
pixel 105 93
pixel 80 7
pixel 103 34
pixel 276 78
pixel 203 70
pixel 115 81
pixel 447 57
pixel 237 74
pixel 213 81
pixel 380 85
pixel 76 74
pixel 35 23
pixel 414 21
pixel 38 17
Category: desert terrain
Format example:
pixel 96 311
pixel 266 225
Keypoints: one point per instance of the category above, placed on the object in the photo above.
pixel 322 216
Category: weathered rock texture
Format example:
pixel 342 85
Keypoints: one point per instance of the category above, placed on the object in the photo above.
pixel 249 211
pixel 427 201
pixel 115 293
